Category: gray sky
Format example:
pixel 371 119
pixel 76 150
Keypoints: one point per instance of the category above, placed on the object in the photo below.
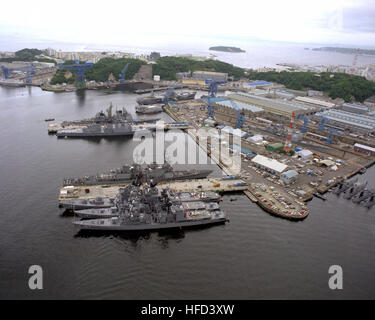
pixel 170 21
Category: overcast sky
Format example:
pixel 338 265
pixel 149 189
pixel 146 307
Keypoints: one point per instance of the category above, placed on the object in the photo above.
pixel 164 21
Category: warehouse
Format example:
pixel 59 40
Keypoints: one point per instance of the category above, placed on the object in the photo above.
pixel 354 108
pixel 241 105
pixel 316 102
pixel 349 120
pixel 214 76
pixel 364 149
pixel 275 147
pixel 289 176
pixel 278 107
pixel 270 165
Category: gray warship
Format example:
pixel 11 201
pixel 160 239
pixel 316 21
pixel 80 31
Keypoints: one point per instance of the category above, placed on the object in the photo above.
pixel 120 115
pixel 203 200
pixel 356 188
pixel 151 99
pixel 79 204
pixel 127 173
pixel 98 130
pixel 363 195
pixel 148 109
pixel 148 209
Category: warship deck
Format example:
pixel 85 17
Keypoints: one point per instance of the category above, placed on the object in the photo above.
pixel 110 191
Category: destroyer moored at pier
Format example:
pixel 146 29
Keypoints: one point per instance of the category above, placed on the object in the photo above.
pixel 146 209
pixel 127 173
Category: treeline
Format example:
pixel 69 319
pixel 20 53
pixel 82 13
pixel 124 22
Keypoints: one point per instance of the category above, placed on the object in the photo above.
pixel 27 55
pixel 103 68
pixel 167 67
pixel 59 77
pixel 335 85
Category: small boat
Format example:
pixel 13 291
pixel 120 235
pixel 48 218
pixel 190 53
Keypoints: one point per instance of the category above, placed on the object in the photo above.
pixel 49 119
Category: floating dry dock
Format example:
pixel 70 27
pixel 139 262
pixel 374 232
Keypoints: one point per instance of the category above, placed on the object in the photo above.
pixel 110 191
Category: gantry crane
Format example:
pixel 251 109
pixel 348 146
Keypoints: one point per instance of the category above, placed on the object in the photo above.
pixel 80 68
pixel 305 122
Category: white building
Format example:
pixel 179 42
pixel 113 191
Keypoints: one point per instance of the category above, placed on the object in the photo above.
pixel 271 165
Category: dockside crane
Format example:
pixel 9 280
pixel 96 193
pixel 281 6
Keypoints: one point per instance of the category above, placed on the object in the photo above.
pixel 305 122
pixel 123 73
pixel 239 114
pixel 80 68
pixel 322 122
pixel 5 71
pixel 30 70
pixel 330 136
pixel 168 94
pixel 212 94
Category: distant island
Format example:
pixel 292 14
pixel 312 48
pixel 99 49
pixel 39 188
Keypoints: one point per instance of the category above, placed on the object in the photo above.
pixel 226 49
pixel 345 50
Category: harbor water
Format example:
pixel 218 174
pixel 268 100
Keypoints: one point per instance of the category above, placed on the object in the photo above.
pixel 254 256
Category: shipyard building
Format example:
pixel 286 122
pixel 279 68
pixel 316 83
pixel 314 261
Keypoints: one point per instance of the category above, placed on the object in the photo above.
pixel 277 107
pixel 348 120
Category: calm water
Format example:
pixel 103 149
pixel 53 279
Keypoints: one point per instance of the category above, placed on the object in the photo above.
pixel 255 256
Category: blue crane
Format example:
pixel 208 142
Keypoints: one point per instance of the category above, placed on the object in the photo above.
pixel 5 71
pixel 305 122
pixel 80 68
pixel 212 94
pixel 167 95
pixel 239 114
pixel 322 122
pixel 30 70
pixel 123 73
pixel 330 136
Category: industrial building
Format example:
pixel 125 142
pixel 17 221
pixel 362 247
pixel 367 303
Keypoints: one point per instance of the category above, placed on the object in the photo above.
pixel 289 176
pixel 284 108
pixel 349 120
pixel 214 76
pixel 270 165
pixel 315 102
pixel 305 154
pixel 354 108
pixel 226 103
pixel 364 149
pixel 248 153
pixel 275 147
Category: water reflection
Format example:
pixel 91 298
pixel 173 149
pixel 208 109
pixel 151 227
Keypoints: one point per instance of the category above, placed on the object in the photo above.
pixel 81 96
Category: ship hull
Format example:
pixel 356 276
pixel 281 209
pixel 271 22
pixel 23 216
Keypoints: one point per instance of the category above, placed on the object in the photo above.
pixel 93 134
pixel 108 226
pixel 201 175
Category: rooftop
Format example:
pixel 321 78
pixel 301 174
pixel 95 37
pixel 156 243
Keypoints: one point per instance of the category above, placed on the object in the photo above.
pixel 269 163
pixel 241 105
pixel 316 102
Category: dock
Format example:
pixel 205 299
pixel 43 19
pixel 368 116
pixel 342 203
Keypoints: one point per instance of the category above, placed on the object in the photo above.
pixel 110 191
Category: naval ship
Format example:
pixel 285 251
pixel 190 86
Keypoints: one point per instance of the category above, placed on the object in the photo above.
pixel 146 209
pixel 148 109
pixel 120 115
pixel 98 130
pixel 208 200
pixel 151 99
pixel 127 174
